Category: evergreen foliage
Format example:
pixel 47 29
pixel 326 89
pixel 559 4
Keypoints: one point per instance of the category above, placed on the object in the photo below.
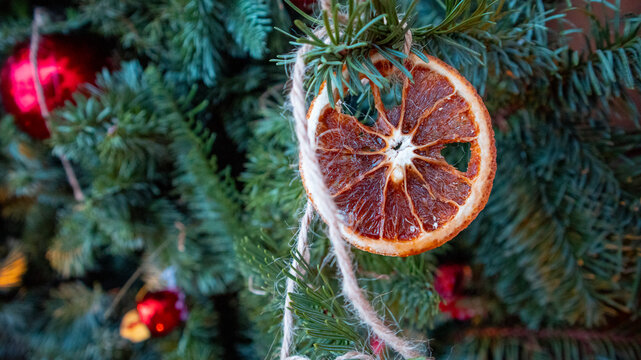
pixel 186 154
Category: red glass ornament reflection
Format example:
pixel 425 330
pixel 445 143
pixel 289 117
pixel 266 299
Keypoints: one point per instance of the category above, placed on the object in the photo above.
pixel 162 311
pixel 64 63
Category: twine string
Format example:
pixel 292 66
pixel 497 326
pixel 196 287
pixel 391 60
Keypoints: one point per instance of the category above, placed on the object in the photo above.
pixel 38 21
pixel 327 209
pixel 352 355
pixel 302 247
pixel 407 46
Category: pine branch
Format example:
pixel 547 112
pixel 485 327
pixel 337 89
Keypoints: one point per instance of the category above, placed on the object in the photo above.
pixel 29 170
pixel 198 35
pixel 188 39
pixel 13 31
pixel 16 30
pixel 70 253
pixel 13 327
pixel 561 214
pixel 327 327
pixel 238 99
pixel 550 76
pixel 504 56
pixel 273 193
pixel 368 27
pixel 405 286
pixel 461 16
pixel 199 339
pixel 520 343
pixel 211 198
pixel 74 323
pixel 249 24
pixel 118 131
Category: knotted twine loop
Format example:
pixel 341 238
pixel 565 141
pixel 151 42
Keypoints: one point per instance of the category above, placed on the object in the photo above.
pixel 328 211
pixel 38 21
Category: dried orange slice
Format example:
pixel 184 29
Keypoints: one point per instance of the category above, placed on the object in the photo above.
pixel 396 193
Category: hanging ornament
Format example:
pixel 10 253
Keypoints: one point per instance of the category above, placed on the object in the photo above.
pixel 451 279
pixel 132 328
pixel 394 191
pixel 305 5
pixel 377 345
pixel 162 311
pixel 64 63
pixel 450 283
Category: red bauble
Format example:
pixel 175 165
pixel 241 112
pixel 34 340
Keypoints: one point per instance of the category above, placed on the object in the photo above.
pixel 305 5
pixel 377 345
pixel 449 283
pixel 450 280
pixel 162 311
pixel 64 63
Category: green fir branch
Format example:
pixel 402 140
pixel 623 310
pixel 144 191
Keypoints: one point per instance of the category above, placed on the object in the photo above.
pixel 368 27
pixel 570 344
pixel 249 24
pixel 213 207
pixel 562 215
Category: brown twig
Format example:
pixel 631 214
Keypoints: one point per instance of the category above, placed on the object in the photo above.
pixel 38 20
pixel 122 291
pixel 131 280
pixel 520 332
pixel 182 235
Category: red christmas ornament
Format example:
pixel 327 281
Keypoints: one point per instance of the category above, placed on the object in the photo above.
pixel 377 345
pixel 64 63
pixel 450 280
pixel 162 311
pixel 449 284
pixel 305 5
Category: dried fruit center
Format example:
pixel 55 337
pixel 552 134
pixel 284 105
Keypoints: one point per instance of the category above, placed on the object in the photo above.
pixel 400 154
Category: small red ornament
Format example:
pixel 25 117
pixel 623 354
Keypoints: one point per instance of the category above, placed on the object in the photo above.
pixel 64 63
pixel 451 279
pixel 377 345
pixel 162 311
pixel 449 283
pixel 305 5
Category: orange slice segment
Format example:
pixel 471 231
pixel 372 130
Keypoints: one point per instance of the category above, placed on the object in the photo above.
pixel 395 192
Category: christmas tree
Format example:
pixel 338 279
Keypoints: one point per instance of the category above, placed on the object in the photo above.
pixel 152 205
